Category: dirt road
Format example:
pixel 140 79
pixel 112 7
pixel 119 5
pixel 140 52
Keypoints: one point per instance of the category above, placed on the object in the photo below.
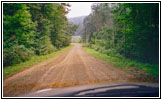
pixel 73 67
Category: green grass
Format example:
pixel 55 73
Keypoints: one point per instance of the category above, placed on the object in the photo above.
pixel 123 63
pixel 33 61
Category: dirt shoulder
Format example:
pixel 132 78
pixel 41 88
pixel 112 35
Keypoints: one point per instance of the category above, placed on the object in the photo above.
pixel 73 67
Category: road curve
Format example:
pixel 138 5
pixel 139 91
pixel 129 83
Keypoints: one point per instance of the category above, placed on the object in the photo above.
pixel 73 67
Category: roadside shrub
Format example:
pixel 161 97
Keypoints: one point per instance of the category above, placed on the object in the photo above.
pixel 88 45
pixel 16 55
pixel 111 52
pixel 95 47
pixel 44 46
pixel 45 49
pixel 118 55
pixel 131 64
pixel 102 50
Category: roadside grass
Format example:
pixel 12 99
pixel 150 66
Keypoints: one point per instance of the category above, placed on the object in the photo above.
pixel 9 70
pixel 123 63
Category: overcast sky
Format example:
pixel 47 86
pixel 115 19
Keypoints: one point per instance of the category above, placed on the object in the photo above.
pixel 79 9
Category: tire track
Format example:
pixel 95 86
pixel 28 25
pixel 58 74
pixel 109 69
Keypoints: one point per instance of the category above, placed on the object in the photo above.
pixel 73 67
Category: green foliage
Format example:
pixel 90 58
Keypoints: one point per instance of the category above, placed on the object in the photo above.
pixel 15 55
pixel 33 29
pixel 139 32
pixel 126 36
pixel 127 29
pixel 123 63
pixel 18 30
pixel 9 70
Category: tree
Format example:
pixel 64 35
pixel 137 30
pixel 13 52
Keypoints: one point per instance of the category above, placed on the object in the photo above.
pixel 18 32
pixel 130 29
pixel 33 29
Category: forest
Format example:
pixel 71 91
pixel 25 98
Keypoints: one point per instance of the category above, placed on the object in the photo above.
pixel 34 29
pixel 130 30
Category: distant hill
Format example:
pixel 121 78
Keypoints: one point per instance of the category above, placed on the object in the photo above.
pixel 78 21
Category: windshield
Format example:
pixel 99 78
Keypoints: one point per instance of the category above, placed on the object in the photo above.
pixel 53 47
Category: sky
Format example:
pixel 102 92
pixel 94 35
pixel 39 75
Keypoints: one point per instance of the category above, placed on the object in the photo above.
pixel 79 9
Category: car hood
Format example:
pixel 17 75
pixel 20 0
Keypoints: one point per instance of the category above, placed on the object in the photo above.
pixel 101 90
